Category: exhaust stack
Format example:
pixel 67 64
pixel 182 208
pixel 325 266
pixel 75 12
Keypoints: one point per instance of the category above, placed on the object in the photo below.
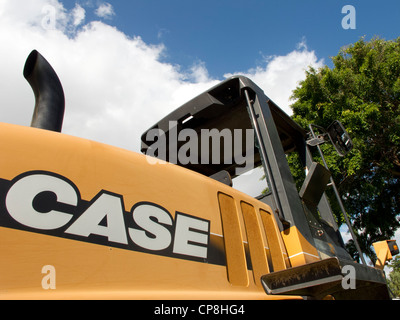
pixel 49 94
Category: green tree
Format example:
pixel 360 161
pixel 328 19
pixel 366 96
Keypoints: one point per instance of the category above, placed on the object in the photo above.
pixel 362 90
pixel 394 277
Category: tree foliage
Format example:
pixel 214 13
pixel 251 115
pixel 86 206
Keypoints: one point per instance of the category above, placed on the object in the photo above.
pixel 362 90
pixel 394 279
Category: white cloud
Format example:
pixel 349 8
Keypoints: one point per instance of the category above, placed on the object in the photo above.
pixel 199 73
pixel 116 86
pixel 105 10
pixel 78 15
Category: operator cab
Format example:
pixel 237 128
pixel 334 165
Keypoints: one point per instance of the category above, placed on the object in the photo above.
pixel 233 129
pixel 225 144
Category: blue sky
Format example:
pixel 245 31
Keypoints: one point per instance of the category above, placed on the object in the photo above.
pixel 232 35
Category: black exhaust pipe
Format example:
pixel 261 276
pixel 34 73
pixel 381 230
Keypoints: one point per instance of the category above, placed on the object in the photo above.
pixel 49 94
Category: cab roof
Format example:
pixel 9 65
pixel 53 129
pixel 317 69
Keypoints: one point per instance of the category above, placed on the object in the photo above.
pixel 224 106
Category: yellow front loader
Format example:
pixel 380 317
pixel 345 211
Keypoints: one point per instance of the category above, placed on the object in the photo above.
pixel 84 220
